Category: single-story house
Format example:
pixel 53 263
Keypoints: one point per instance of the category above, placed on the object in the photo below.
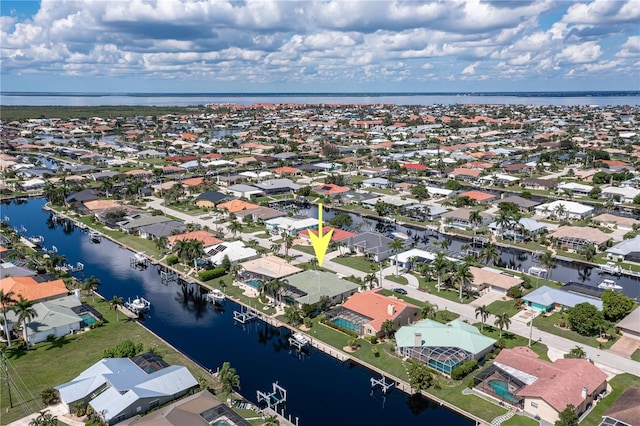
pixel 575 188
pixel 625 411
pixel 489 279
pixel 376 182
pixel 117 388
pixel 547 299
pixel 277 186
pixel 209 199
pixel 205 237
pixel 309 286
pixel 246 191
pixel 290 225
pixel 234 206
pixel 235 250
pixel 260 213
pixel 132 224
pixel 163 229
pixel 626 250
pixel 630 325
pixel 478 196
pixel 442 347
pixel 9 269
pixel 541 388
pixel 337 235
pixel 619 222
pixel 365 312
pixel 539 184
pixel 372 244
pixel 33 290
pixel 564 209
pixel 524 204
pixel 576 237
pixel 459 218
pixel 267 268
pixel 625 194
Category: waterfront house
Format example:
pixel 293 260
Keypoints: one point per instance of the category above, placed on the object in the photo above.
pixel 132 224
pixel 118 388
pixel 234 250
pixel 459 218
pixel 162 229
pixel 310 286
pixel 616 222
pixel 277 186
pixel 546 299
pixel 489 279
pixel 372 244
pixel 442 347
pixel 577 189
pixel 205 237
pixel 539 184
pixel 33 290
pixel 289 225
pixel 244 191
pixel 337 235
pixel 564 209
pixel 234 206
pixel 576 237
pixel 541 388
pixel 478 196
pixel 260 213
pixel 200 409
pixel 628 249
pixel 365 312
pixel 524 205
pixel 629 326
pixel 624 194
pixel 267 268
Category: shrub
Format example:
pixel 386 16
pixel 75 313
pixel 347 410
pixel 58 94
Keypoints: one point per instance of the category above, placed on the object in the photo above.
pixel 211 274
pixel 49 396
pixel 124 349
pixel 375 352
pixel 514 292
pixel 172 260
pixel 373 339
pixel 462 370
pixel 342 329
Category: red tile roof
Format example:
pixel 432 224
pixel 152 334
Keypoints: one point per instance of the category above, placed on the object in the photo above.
pixel 478 195
pixel 376 306
pixel 338 234
pixel 559 383
pixel 414 166
pixel 32 290
pixel 330 189
pixel 207 238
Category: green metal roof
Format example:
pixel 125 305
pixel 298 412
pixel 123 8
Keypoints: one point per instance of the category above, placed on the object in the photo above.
pixel 319 283
pixel 453 334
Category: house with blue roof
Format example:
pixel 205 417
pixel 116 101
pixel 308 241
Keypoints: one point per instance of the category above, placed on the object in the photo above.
pixel 118 388
pixel 547 299
pixel 442 347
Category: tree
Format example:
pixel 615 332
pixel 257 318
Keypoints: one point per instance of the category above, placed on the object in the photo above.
pixel 420 377
pixel 502 322
pixel 287 242
pixel 586 319
pixel 388 328
pixel 381 208
pixel 228 378
pixel 161 243
pixel 483 313
pixel 429 310
pixel 440 266
pixel 420 192
pixel 396 245
pixel 616 306
pixel 370 281
pixel 567 417
pixel 490 253
pixel 271 420
pixel 235 227
pixel 452 185
pixel 45 418
pixel 588 251
pixel 26 312
pixel 115 304
pixel 549 262
pixel 577 353
pixel 475 218
pixel 292 315
pixel 341 220
pixel 6 299
pixel 91 284
pixel 461 277
pixel 124 349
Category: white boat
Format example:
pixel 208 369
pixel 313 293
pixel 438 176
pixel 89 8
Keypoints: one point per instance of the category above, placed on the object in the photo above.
pixel 611 268
pixel 609 285
pixel 37 239
pixel 301 338
pixel 537 271
pixel 138 305
pixel 216 296
pixel 400 235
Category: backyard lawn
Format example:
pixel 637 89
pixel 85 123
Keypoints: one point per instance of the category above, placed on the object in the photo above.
pixel 618 384
pixel 360 263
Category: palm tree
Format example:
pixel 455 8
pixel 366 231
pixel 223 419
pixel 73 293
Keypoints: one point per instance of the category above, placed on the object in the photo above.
pixel 429 310
pixel 369 280
pixel 228 377
pixel 445 243
pixel 275 287
pixel 560 210
pixel 235 227
pixel 388 327
pixel 275 248
pixel 490 253
pixel 161 243
pixel 549 262
pixel 115 304
pixel 6 299
pixel 313 262
pixel 461 277
pixel 396 245
pixel 287 242
pixel 503 221
pixel 588 251
pixel 271 420
pixel 502 321
pixel 45 418
pixel 475 219
pixel 483 313
pixel 26 312
pixel 91 284
pixel 440 266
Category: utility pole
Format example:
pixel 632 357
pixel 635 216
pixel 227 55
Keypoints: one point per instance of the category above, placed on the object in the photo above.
pixel 4 361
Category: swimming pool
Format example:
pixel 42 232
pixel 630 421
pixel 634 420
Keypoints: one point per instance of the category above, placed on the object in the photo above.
pixel 345 323
pixel 87 318
pixel 502 390
pixel 254 283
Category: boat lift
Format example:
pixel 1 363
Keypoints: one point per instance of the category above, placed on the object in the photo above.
pixel 245 315
pixel 299 341
pixel 168 276
pixel 275 398
pixel 382 382
pixel 138 260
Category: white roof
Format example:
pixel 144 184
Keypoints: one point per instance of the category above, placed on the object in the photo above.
pixel 235 250
pixel 575 186
pixel 291 223
pixel 570 206
pixel 626 191
pixel 438 191
pixel 423 254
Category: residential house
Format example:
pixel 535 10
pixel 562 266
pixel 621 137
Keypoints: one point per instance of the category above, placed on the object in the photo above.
pixel 577 189
pixel 616 222
pixel 624 194
pixel 330 189
pixel 200 409
pixel 209 199
pixel 132 224
pixel 464 173
pixel 541 388
pixel 625 411
pixel 459 218
pixel 162 229
pixel 277 186
pixel 9 269
pixel 376 182
pixel 372 244
pixel 489 279
pixel 290 225
pixel 310 286
pixel 546 299
pixel 118 388
pixel 365 312
pixel 539 184
pixel 524 205
pixel 267 268
pixel 235 206
pixel 629 326
pixel 442 347
pixel 260 213
pixel 205 237
pixel 337 235
pixel 234 250
pixel 244 191
pixel 478 196
pixel 33 290
pixel 499 179
pixel 564 209
pixel 576 237
pixel 628 249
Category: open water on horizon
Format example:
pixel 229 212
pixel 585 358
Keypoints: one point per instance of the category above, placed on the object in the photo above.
pixel 321 390
pixel 161 99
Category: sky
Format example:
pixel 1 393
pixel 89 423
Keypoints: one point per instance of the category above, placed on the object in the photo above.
pixel 266 46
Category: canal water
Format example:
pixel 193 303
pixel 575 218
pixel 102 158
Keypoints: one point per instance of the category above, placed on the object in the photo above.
pixel 321 390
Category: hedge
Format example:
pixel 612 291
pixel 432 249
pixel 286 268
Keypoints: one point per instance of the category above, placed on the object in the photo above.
pixel 462 370
pixel 172 260
pixel 342 329
pixel 210 274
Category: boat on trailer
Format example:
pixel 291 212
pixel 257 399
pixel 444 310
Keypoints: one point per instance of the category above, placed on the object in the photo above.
pixel 608 284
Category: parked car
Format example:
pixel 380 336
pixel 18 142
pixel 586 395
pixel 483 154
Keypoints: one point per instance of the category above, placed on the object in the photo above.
pixel 399 290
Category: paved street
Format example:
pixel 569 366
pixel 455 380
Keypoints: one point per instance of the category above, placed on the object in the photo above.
pixel 608 361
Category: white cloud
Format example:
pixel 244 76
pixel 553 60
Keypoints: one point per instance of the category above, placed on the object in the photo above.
pixel 470 69
pixel 580 53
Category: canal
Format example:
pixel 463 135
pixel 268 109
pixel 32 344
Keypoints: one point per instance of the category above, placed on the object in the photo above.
pixel 321 390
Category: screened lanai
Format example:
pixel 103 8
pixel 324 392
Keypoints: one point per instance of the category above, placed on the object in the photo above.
pixel 440 358
pixel 348 319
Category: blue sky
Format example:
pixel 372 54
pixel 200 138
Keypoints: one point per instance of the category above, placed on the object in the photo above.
pixel 319 46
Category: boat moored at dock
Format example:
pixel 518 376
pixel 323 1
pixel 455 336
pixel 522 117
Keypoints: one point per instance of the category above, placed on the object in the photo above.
pixel 608 284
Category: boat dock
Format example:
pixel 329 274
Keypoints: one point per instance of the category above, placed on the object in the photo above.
pixel 273 399
pixel 382 382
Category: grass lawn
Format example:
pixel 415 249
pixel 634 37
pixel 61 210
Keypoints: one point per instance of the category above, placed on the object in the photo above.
pixel 397 279
pixel 618 384
pixel 304 249
pixel 636 355
pixel 501 306
pixel 53 363
pixel 450 294
pixel 360 263
pixel 443 316
pixel 519 420
pixel 548 324
pixel 512 340
pixel 189 209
